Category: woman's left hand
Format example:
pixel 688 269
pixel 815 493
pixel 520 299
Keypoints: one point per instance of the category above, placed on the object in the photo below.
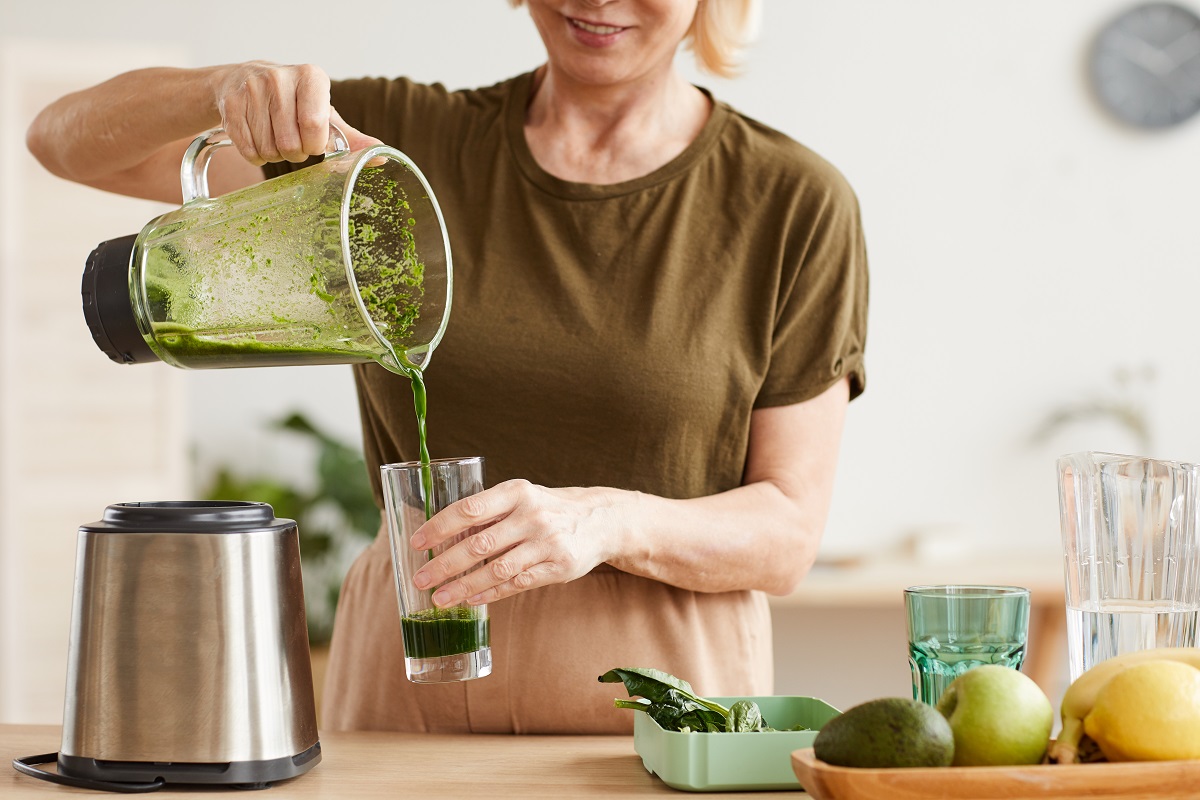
pixel 529 535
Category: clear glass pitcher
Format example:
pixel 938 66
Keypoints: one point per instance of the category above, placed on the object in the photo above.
pixel 1131 554
pixel 344 261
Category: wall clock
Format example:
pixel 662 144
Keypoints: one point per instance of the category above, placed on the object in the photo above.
pixel 1145 65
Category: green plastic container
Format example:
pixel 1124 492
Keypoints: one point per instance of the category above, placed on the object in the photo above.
pixel 729 762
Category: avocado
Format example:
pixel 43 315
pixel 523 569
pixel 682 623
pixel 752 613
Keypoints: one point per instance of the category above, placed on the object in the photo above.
pixel 890 732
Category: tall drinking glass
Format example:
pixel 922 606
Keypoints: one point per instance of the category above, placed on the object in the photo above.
pixel 1130 554
pixel 440 644
pixel 952 629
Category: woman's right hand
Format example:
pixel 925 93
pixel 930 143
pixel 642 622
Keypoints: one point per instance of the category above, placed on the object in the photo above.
pixel 279 112
pixel 128 134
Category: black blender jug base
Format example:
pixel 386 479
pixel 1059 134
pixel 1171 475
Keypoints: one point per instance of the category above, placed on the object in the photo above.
pixel 106 304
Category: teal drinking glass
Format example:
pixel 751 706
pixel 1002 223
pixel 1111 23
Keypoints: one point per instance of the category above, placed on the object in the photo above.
pixel 952 629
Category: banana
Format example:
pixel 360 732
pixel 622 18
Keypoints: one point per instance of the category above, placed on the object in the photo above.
pixel 1081 695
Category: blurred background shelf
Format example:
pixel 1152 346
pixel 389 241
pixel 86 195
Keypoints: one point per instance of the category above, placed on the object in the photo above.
pixel 841 635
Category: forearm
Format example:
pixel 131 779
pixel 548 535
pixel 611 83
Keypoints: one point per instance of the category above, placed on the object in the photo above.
pixel 114 126
pixel 761 535
pixel 752 537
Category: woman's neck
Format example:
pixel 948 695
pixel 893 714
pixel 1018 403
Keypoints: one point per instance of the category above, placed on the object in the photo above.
pixel 612 133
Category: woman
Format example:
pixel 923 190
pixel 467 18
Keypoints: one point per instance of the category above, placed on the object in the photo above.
pixel 659 320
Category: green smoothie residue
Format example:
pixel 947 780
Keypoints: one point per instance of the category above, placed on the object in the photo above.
pixel 439 632
pixel 383 248
pixel 239 286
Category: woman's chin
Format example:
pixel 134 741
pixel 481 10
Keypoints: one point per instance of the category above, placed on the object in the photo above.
pixel 599 71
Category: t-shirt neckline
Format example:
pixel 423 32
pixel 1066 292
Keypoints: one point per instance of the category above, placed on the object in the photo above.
pixel 518 100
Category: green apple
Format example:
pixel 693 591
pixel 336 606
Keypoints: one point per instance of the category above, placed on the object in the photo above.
pixel 998 716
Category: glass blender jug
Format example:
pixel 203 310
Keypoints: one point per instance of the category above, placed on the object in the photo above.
pixel 344 261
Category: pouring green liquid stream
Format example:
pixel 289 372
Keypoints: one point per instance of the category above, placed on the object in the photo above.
pixel 415 375
pixel 229 293
pixel 436 632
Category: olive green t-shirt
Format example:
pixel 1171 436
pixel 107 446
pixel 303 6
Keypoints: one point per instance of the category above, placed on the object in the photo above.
pixel 616 335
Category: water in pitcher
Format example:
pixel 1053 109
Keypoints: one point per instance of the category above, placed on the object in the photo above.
pixel 1131 546
pixel 1102 630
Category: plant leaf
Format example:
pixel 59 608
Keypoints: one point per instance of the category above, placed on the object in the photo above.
pixel 673 703
pixel 744 717
pixel 676 711
pixel 648 683
pixel 341 474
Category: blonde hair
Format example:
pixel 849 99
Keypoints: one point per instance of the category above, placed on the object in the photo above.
pixel 719 32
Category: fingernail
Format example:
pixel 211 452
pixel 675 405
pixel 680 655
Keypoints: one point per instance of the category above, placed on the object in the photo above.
pixel 475 599
pixel 418 541
pixel 421 580
pixel 441 597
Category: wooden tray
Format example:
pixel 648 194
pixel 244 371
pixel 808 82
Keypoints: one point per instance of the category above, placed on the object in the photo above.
pixel 1129 781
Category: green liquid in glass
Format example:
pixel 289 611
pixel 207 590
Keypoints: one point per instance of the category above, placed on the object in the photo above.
pixel 437 632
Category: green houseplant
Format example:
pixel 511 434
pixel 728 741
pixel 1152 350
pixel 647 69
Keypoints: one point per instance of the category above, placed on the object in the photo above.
pixel 336 519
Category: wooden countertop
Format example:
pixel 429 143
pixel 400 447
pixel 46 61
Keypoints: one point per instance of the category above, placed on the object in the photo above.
pixel 391 765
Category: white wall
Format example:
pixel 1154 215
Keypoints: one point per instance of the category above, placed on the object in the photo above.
pixel 1024 247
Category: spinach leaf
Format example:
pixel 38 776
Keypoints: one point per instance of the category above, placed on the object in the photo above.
pixel 677 710
pixel 674 712
pixel 675 706
pixel 651 684
pixel 744 717
pixel 672 702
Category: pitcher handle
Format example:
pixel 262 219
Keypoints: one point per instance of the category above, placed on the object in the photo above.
pixel 193 172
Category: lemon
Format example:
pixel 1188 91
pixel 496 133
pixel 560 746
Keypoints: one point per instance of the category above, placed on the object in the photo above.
pixel 1148 712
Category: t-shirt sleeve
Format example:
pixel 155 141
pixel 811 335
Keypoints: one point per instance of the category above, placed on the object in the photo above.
pixel 820 324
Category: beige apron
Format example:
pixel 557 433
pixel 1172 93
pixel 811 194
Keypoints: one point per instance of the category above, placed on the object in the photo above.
pixel 548 647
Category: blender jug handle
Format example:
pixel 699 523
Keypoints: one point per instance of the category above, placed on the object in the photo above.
pixel 193 172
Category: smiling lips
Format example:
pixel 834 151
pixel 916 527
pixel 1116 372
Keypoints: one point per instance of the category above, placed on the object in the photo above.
pixel 593 28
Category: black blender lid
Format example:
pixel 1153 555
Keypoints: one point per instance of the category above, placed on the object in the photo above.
pixel 188 516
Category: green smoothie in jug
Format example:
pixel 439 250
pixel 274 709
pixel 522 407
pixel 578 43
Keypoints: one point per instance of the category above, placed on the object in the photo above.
pixel 268 279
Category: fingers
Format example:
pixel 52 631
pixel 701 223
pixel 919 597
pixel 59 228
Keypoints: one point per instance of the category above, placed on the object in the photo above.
pixel 312 110
pixel 356 139
pixel 518 537
pixel 276 112
pixel 542 574
pixel 520 569
pixel 471 512
pixel 486 543
pixel 235 119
